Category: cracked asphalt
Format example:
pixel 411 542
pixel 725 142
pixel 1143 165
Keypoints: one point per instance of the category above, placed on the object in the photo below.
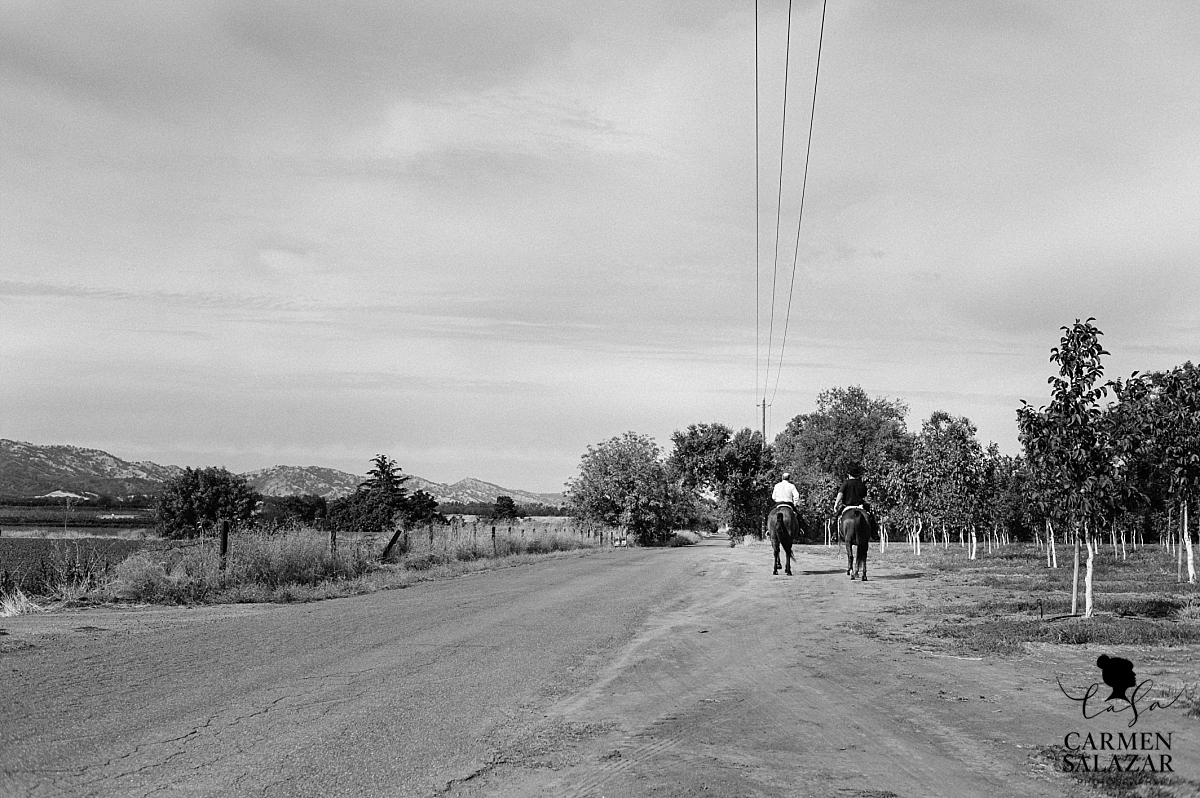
pixel 401 692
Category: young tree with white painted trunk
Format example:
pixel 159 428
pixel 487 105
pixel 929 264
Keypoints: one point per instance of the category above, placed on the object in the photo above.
pixel 1066 442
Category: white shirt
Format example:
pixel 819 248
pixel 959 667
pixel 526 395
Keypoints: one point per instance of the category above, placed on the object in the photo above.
pixel 786 492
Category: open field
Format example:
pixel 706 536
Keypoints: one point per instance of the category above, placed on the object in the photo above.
pixel 673 672
pixel 37 565
pixel 86 517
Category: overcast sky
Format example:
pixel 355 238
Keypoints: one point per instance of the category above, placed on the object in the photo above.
pixel 480 236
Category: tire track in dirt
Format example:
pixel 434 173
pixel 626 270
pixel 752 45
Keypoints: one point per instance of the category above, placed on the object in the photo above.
pixel 750 685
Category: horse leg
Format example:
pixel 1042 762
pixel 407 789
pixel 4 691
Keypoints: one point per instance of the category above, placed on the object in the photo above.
pixel 863 545
pixel 775 548
pixel 788 551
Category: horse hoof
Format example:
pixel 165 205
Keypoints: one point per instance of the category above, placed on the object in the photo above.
pixel 789 573
pixel 864 578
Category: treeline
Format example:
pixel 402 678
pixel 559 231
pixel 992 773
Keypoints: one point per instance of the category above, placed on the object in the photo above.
pixel 1123 454
pixel 486 510
pixel 199 498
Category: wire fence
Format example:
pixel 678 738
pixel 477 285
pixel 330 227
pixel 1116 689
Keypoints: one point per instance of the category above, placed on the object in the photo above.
pixel 484 537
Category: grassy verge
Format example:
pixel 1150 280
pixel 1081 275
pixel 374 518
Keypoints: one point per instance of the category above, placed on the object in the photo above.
pixel 259 568
pixel 1004 600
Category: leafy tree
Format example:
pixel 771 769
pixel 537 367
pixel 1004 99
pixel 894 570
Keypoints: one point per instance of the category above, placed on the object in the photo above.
pixel 364 512
pixel 377 503
pixel 306 510
pixel 623 482
pixel 421 507
pixel 202 496
pixel 699 456
pixel 1066 442
pixel 848 428
pixel 711 462
pixel 746 491
pixel 946 470
pixel 1004 494
pixel 1156 433
pixel 505 509
pixel 385 476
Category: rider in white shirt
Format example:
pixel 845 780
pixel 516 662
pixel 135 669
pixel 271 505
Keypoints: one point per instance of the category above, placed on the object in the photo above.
pixel 785 493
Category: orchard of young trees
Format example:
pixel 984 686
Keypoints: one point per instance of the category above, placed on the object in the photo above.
pixel 1115 461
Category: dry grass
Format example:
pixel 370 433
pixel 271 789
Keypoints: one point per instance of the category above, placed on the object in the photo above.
pixel 17 603
pixel 287 567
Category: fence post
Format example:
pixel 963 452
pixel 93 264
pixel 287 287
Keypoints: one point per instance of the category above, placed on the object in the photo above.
pixel 402 529
pixel 223 527
pixel 495 550
pixel 333 540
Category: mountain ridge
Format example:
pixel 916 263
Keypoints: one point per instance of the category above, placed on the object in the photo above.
pixel 28 469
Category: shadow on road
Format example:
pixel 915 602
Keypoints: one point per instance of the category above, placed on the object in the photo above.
pixel 816 573
pixel 916 575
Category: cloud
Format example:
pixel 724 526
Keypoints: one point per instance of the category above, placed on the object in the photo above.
pixel 233 224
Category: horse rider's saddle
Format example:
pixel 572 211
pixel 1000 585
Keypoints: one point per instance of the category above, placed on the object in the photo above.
pixel 849 507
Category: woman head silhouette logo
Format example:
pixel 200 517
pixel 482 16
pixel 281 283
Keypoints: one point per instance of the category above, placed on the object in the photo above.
pixel 1118 674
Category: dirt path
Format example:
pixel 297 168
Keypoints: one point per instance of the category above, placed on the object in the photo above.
pixel 749 685
pixel 625 673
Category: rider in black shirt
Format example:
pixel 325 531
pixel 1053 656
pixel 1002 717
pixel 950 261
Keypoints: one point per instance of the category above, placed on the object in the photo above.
pixel 853 494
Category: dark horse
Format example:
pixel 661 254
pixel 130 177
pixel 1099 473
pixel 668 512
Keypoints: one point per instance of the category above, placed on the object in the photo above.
pixel 784 526
pixel 855 528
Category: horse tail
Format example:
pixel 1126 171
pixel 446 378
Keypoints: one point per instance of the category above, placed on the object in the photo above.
pixel 780 524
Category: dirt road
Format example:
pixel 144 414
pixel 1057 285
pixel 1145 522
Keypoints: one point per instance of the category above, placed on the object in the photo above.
pixel 625 673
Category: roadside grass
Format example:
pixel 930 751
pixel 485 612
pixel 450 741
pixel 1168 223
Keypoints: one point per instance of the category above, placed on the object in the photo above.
pixel 1138 601
pixel 296 566
pixel 17 603
pixel 1115 783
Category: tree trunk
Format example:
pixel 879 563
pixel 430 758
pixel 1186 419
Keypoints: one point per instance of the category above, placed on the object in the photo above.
pixel 1075 579
pixel 1092 548
pixel 1187 541
pixel 1179 551
pixel 1053 547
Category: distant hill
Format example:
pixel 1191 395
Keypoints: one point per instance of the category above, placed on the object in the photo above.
pixel 284 480
pixel 476 491
pixel 28 469
pixel 330 483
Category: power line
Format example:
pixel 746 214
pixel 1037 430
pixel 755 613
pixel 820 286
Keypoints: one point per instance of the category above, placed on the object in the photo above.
pixel 779 197
pixel 800 220
pixel 757 218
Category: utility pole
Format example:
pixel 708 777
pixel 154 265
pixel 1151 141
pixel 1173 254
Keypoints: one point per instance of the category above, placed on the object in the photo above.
pixel 764 422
